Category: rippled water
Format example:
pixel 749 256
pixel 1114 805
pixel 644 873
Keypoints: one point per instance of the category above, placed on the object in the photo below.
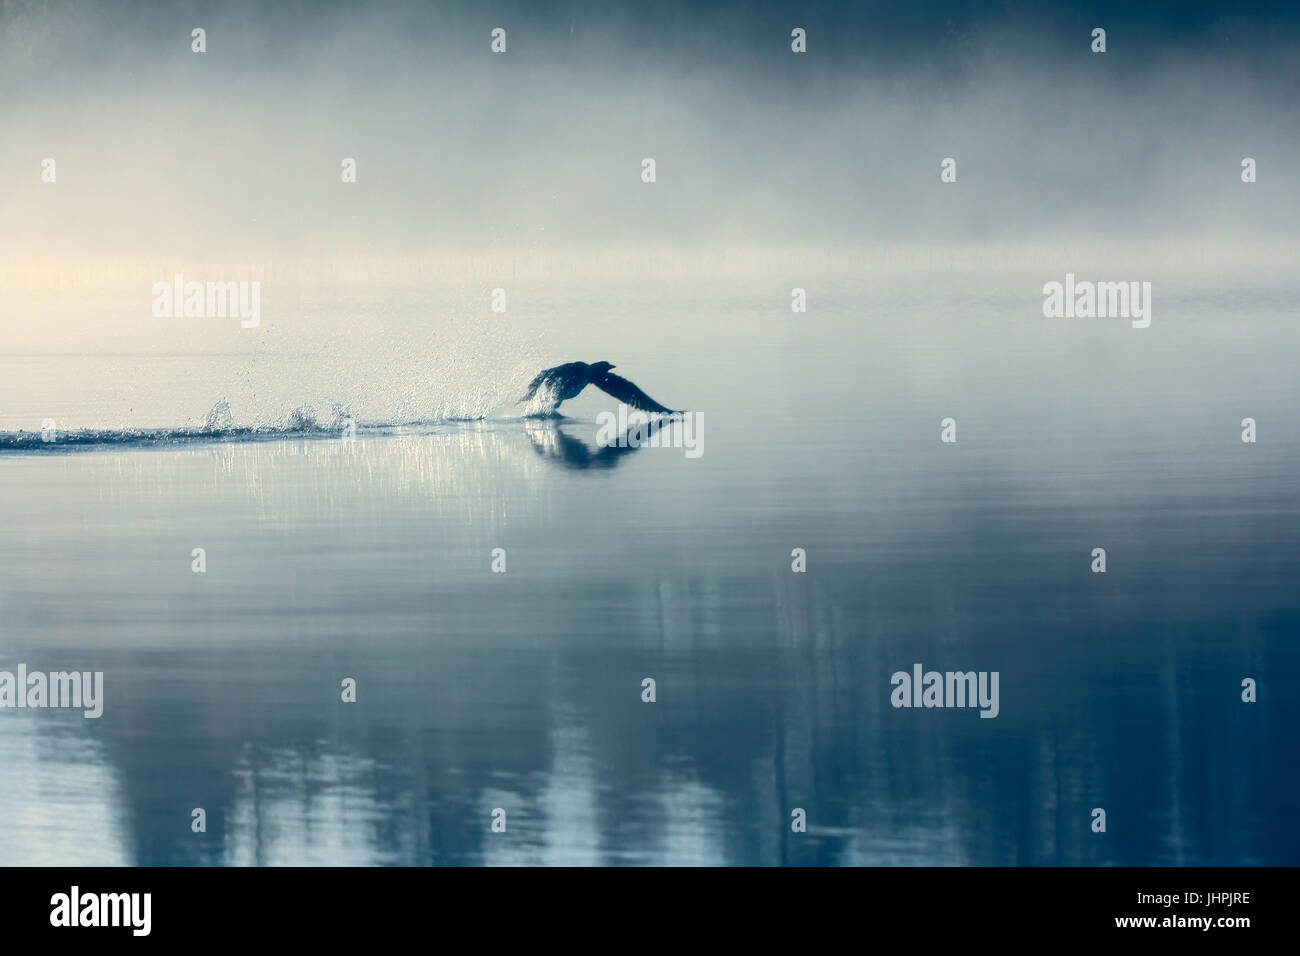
pixel 522 691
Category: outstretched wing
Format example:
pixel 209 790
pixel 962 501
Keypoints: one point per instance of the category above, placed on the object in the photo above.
pixel 534 385
pixel 627 393
pixel 549 377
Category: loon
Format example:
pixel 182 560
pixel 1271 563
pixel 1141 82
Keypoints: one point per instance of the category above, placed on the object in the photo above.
pixel 565 381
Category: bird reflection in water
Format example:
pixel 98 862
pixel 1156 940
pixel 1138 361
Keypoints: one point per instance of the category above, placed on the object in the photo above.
pixel 550 442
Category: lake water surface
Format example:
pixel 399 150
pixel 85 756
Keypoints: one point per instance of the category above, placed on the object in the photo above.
pixel 371 560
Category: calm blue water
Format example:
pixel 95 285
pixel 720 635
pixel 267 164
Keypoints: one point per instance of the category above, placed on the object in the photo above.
pixel 522 691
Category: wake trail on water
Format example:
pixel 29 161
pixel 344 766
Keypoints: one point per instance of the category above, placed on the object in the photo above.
pixel 306 421
pixel 406 378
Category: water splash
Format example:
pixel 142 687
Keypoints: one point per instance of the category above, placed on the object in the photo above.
pixel 329 419
pixel 219 417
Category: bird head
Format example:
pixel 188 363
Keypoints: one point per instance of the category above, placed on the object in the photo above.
pixel 603 366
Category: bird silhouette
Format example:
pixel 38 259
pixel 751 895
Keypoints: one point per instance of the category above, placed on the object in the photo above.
pixel 555 385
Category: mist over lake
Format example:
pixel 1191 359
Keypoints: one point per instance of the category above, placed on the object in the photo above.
pixel 1025 422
